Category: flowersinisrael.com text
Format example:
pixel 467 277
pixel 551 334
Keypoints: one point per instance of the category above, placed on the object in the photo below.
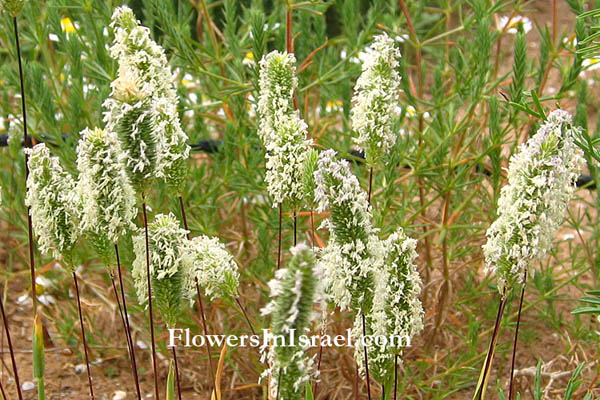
pixel 185 338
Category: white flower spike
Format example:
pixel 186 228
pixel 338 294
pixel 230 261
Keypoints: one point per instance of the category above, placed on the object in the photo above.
pixel 55 204
pixel 376 99
pixel 541 181
pixel 108 200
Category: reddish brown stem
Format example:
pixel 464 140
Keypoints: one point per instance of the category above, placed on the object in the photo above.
pixel 395 376
pixel 184 218
pixel 85 346
pixel 295 227
pixel 490 354
pixel 2 391
pixel 177 373
pixel 364 327
pixel 10 347
pixel 318 366
pixel 202 315
pixel 127 327
pixel 279 236
pixel 151 317
pixel 237 300
pixel 514 353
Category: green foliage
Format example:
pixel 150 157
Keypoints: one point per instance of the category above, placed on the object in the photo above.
pixel 455 133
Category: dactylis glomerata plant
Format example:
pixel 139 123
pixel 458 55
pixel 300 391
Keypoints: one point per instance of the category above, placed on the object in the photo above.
pixel 142 109
pixel 212 266
pixel 375 99
pixel 55 205
pixel 397 312
pixel 541 181
pixel 108 200
pixel 283 132
pixel 295 290
pixel 348 258
pixel 167 242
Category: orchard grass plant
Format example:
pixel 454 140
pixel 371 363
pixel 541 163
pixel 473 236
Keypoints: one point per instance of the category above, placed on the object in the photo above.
pixel 417 169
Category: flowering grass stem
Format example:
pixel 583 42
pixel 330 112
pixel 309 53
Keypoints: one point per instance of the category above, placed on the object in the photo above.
pixel 85 346
pixel 2 391
pixel 318 366
pixel 481 385
pixel 514 353
pixel 237 300
pixel 364 327
pixel 176 372
pixel 295 228
pixel 127 327
pixel 395 376
pixel 115 291
pixel 279 236
pixel 29 223
pixel 202 315
pixel 149 281
pixel 12 353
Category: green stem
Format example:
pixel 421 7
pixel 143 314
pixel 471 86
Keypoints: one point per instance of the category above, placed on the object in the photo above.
pixel 41 389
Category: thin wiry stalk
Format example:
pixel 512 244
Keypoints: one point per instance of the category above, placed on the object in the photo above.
pixel 29 223
pixel 490 354
pixel 85 346
pixel 128 328
pixel 2 391
pixel 514 354
pixel 318 366
pixel 212 372
pixel 25 144
pixel 279 237
pixel 312 229
pixel 237 299
pixel 202 315
pixel 295 227
pixel 176 373
pixel 154 366
pixel 364 326
pixel 395 376
pixel 114 286
pixel 12 353
pixel 370 185
pixel 127 337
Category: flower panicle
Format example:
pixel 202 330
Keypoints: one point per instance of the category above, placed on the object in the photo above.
pixel 347 259
pixel 108 200
pixel 532 206
pixel 294 290
pixel 397 312
pixel 283 133
pixel 145 77
pixel 55 204
pixel 277 83
pixel 213 266
pixel 167 241
pixel 376 99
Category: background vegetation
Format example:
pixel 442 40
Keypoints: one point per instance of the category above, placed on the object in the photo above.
pixel 462 66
